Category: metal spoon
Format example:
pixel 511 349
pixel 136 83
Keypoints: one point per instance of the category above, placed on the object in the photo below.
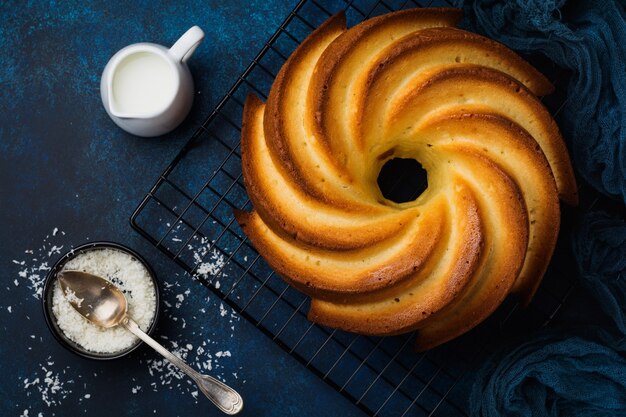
pixel 105 305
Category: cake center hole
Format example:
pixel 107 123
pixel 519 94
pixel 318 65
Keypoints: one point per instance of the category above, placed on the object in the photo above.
pixel 402 180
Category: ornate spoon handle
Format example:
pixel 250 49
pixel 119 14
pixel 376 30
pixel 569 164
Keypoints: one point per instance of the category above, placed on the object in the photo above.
pixel 223 396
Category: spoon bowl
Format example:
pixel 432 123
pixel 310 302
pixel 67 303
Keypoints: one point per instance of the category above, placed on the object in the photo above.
pixel 94 297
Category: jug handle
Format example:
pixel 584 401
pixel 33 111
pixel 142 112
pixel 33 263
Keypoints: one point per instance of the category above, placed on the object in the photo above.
pixel 184 47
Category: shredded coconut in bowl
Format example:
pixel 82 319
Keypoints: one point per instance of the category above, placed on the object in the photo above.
pixel 129 275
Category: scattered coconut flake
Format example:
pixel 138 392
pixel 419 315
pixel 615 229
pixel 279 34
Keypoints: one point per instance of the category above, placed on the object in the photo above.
pixel 72 298
pixel 48 383
pixel 34 270
pixel 55 250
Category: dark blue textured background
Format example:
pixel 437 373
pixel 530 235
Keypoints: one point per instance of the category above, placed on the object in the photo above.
pixel 65 165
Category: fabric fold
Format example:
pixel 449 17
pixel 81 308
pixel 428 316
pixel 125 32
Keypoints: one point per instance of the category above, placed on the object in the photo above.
pixel 599 245
pixel 552 375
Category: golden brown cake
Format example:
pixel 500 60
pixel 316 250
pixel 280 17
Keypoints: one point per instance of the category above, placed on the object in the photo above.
pixel 405 85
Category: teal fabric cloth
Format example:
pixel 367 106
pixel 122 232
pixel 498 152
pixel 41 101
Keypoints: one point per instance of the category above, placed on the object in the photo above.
pixel 552 376
pixel 599 245
pixel 587 40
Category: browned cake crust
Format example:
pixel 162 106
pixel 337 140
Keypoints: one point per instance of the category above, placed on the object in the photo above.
pixel 405 85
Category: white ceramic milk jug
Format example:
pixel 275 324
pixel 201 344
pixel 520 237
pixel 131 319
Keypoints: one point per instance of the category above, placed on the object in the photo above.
pixel 147 89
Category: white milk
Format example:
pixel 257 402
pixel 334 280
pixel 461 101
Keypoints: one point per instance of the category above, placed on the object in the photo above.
pixel 143 83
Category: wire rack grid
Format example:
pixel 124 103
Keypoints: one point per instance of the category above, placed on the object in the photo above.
pixel 188 214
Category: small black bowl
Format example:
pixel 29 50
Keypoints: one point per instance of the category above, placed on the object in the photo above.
pixel 47 300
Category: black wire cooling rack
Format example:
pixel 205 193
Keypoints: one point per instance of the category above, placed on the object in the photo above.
pixel 188 214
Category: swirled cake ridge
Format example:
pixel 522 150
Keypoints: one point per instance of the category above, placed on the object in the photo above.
pixel 405 85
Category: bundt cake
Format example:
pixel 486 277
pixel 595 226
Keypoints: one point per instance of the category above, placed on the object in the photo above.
pixel 405 85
